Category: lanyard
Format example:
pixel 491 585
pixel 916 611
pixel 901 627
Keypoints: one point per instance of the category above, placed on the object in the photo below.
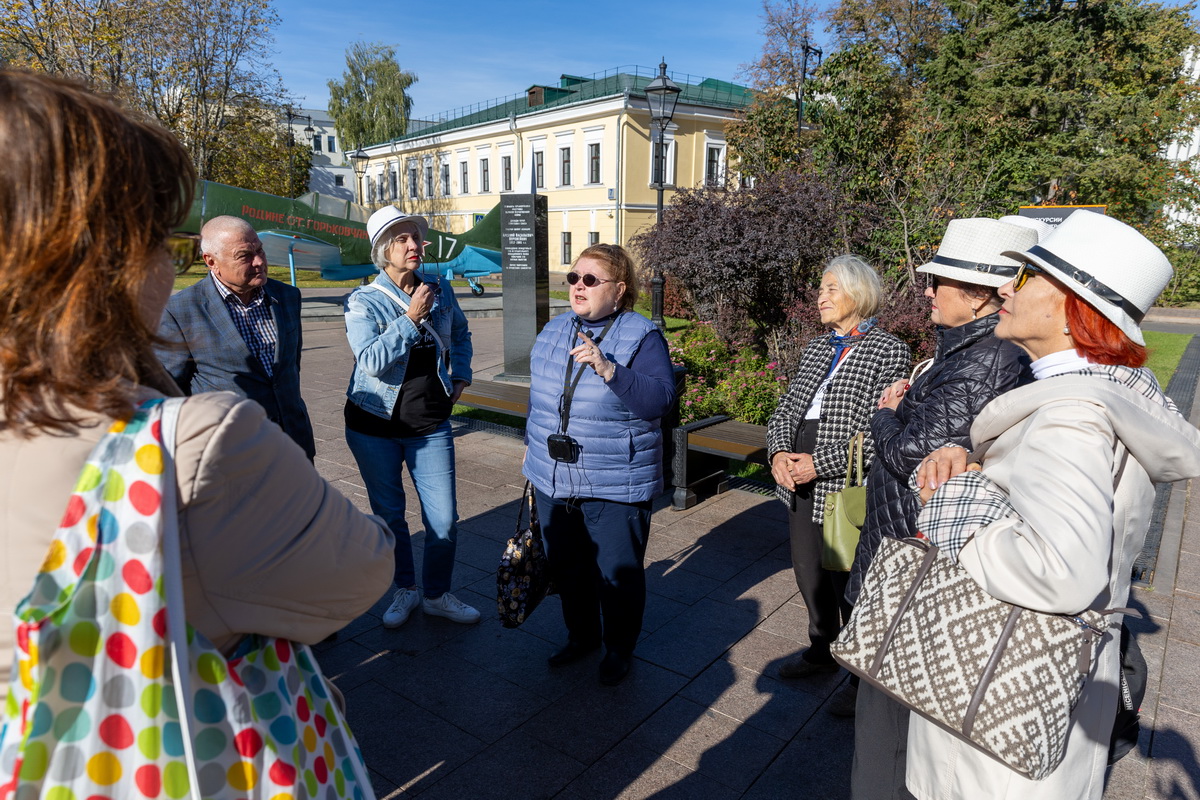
pixel 569 382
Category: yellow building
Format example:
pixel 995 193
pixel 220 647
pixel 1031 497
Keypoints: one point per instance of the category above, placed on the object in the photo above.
pixel 585 143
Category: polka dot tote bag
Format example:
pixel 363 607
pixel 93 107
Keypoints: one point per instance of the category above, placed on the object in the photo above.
pixel 93 706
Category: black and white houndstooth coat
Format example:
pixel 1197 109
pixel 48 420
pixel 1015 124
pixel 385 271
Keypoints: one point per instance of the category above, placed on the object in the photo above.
pixel 851 398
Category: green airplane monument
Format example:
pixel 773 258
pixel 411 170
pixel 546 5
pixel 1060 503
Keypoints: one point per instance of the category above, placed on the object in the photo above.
pixel 329 234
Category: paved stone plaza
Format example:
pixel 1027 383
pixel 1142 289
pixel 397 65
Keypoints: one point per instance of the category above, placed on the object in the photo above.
pixel 462 712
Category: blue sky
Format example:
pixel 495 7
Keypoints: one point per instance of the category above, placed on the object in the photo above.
pixel 474 51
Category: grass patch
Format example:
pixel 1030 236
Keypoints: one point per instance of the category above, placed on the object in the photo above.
pixel 305 278
pixel 1166 349
pixel 483 415
pixel 746 469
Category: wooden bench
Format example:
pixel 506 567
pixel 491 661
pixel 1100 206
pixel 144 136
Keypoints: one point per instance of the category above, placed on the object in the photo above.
pixel 506 398
pixel 702 449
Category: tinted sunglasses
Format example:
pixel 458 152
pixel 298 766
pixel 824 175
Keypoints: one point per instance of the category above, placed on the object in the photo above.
pixel 589 280
pixel 1023 275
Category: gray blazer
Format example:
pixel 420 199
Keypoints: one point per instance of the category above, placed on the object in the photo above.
pixel 207 354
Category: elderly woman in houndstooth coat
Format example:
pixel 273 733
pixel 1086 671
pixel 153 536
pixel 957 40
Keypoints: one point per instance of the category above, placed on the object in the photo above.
pixel 832 396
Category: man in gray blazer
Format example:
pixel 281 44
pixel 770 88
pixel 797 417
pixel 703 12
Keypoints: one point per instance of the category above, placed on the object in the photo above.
pixel 239 331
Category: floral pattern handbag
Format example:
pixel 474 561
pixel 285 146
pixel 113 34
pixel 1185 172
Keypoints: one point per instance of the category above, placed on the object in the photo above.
pixel 105 662
pixel 523 579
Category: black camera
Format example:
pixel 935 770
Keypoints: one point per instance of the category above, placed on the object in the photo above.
pixel 562 448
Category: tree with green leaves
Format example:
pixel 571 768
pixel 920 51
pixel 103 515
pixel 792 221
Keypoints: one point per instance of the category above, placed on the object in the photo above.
pixel 198 67
pixel 371 104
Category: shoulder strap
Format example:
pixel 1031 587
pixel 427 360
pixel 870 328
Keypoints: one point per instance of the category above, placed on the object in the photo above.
pixel 398 300
pixel 173 588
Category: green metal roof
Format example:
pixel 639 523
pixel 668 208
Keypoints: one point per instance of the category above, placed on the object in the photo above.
pixel 575 89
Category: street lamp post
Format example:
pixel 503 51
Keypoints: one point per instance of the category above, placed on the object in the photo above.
pixel 358 162
pixel 309 132
pixel 662 94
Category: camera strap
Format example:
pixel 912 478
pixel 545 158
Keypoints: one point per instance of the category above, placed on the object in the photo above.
pixel 400 301
pixel 571 381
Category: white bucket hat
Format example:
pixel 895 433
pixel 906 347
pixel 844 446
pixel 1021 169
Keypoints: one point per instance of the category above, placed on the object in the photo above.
pixel 1043 229
pixel 388 216
pixel 971 251
pixel 1108 264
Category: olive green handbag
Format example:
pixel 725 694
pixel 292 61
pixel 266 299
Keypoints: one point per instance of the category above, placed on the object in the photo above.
pixel 845 512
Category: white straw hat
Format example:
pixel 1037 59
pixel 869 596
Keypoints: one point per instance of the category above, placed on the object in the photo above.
pixel 388 216
pixel 971 251
pixel 1108 264
pixel 1043 229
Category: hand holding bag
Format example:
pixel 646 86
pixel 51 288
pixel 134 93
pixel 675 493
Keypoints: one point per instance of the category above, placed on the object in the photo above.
pixel 1002 677
pixel 523 579
pixel 845 512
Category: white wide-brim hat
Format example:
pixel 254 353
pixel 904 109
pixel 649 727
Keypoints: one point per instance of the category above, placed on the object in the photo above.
pixel 1108 264
pixel 1043 229
pixel 388 216
pixel 972 251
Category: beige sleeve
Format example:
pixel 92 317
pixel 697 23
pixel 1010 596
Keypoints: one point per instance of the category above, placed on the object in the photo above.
pixel 268 545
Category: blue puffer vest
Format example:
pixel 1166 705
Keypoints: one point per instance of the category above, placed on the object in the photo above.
pixel 620 455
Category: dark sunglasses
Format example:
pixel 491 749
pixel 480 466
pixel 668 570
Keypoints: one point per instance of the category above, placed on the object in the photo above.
pixel 589 280
pixel 1023 275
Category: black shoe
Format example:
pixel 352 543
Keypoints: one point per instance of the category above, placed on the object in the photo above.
pixel 614 668
pixel 801 667
pixel 570 654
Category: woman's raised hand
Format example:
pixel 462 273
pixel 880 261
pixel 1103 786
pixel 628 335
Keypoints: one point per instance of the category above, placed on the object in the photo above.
pixel 589 353
pixel 421 303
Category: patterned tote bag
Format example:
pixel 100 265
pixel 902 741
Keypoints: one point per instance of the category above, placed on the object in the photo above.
pixel 93 705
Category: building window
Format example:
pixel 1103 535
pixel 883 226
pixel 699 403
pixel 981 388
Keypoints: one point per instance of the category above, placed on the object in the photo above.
pixel 316 144
pixel 463 171
pixel 370 188
pixel 712 166
pixel 339 180
pixel 566 247
pixel 593 238
pixel 564 166
pixel 594 162
pixel 445 178
pixel 393 188
pixel 539 169
pixel 485 177
pixel 412 182
pixel 506 173
pixel 429 180
pixel 329 141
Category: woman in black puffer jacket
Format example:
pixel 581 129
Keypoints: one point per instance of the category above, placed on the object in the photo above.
pixel 970 368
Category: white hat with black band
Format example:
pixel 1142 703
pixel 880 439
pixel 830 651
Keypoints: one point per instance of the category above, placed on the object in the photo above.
pixel 972 251
pixel 1108 264
pixel 388 216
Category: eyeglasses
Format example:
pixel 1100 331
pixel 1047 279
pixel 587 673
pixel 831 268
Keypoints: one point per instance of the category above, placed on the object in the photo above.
pixel 1023 275
pixel 934 283
pixel 589 280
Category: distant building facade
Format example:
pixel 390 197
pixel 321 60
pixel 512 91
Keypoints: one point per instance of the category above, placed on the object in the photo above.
pixel 585 144
pixel 331 174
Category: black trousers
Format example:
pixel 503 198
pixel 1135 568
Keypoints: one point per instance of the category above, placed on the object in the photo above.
pixel 824 592
pixel 597 549
pixel 880 747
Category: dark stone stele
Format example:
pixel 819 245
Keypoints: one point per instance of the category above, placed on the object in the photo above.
pixel 524 248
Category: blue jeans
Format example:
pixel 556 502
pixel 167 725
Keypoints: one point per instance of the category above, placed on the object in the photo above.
pixel 430 460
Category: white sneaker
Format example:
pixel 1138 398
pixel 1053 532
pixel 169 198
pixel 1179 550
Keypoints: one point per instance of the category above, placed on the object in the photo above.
pixel 403 603
pixel 451 608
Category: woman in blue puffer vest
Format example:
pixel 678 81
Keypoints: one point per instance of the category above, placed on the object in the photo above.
pixel 601 383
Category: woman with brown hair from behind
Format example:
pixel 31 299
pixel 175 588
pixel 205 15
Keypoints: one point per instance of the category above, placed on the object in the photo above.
pixel 88 196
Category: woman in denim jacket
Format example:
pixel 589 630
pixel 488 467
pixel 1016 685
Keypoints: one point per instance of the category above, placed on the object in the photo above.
pixel 412 359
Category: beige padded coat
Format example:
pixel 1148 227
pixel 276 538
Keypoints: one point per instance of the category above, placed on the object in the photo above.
pixel 268 545
pixel 1056 449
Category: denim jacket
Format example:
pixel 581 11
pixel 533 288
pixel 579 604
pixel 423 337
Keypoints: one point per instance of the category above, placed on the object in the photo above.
pixel 381 336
